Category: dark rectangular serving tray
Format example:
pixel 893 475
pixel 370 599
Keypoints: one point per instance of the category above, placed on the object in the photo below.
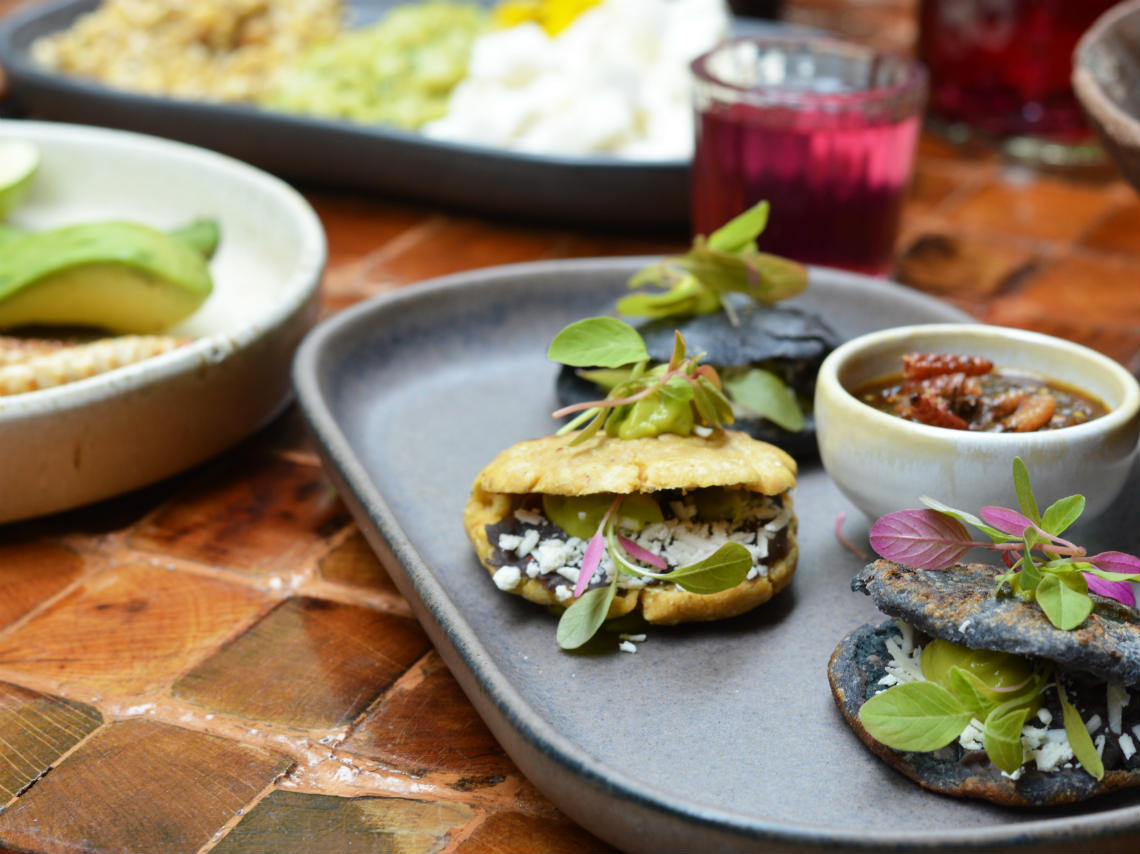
pixel 712 737
pixel 594 190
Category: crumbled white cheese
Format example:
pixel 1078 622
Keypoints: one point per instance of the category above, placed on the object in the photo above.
pixel 509 542
pixel 1117 698
pixel 906 659
pixel 1045 716
pixel 1093 724
pixel 639 638
pixel 563 593
pixel 552 554
pixel 528 542
pixel 529 518
pixel 1127 746
pixel 626 646
pixel 1050 751
pixel 1098 743
pixel 780 521
pixel 973 736
pixel 703 431
pixel 507 577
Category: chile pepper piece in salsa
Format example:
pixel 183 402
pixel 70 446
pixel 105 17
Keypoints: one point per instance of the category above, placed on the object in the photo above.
pixel 968 393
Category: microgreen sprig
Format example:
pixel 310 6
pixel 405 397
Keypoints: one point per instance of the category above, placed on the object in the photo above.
pixel 670 398
pixel 1042 565
pixel 726 261
pixel 723 569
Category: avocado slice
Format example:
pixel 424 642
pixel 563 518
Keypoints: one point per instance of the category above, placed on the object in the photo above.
pixel 120 276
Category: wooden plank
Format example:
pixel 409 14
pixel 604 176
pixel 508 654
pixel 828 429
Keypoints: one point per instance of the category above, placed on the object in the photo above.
pixel 309 664
pixel 35 730
pixel 450 738
pixel 140 786
pixel 353 562
pixel 253 515
pixel 509 832
pixel 288 822
pixel 131 629
pixel 33 572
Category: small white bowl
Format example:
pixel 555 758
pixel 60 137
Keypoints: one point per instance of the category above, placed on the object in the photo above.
pixel 883 463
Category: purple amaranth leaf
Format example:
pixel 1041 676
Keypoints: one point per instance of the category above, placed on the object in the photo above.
pixel 641 554
pixel 1005 520
pixel 1115 562
pixel 590 561
pixel 923 538
pixel 1121 591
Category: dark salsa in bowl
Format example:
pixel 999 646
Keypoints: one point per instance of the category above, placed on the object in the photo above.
pixel 969 393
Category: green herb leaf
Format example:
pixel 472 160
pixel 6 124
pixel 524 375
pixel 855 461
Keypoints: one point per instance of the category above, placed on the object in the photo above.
pixel 722 570
pixel 704 404
pixel 603 415
pixel 585 616
pixel 1025 497
pixel 1003 736
pixel 765 394
pixel 1079 738
pixel 1105 574
pixel 765 278
pixel 685 297
pixel 724 414
pixel 598 341
pixel 1030 574
pixel 1062 513
pixel 1064 597
pixel 919 716
pixel 968 519
pixel 970 690
pixel 607 378
pixel 738 234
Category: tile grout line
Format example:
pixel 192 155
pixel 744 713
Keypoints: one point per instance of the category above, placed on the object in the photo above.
pixel 222 832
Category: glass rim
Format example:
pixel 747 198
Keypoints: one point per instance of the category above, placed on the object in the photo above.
pixel 913 83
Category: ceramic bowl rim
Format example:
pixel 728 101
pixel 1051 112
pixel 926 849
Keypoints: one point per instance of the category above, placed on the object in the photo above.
pixel 207 349
pixel 1116 419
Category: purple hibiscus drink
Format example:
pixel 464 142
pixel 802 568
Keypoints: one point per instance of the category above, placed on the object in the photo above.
pixel 824 130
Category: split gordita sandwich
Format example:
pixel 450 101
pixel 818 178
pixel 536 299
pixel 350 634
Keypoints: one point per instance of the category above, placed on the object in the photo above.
pixel 652 507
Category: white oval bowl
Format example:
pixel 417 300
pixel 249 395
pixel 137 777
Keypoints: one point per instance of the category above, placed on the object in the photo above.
pixel 77 443
pixel 883 463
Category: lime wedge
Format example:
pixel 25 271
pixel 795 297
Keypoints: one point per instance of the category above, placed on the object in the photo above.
pixel 19 161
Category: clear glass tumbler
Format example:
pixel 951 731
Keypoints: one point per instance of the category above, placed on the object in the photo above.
pixel 824 130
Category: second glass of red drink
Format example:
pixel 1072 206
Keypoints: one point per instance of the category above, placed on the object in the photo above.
pixel 823 129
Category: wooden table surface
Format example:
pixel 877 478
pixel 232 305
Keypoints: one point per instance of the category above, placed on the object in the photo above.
pixel 219 663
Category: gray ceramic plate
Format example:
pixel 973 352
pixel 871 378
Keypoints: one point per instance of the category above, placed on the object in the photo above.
pixel 716 737
pixel 370 157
